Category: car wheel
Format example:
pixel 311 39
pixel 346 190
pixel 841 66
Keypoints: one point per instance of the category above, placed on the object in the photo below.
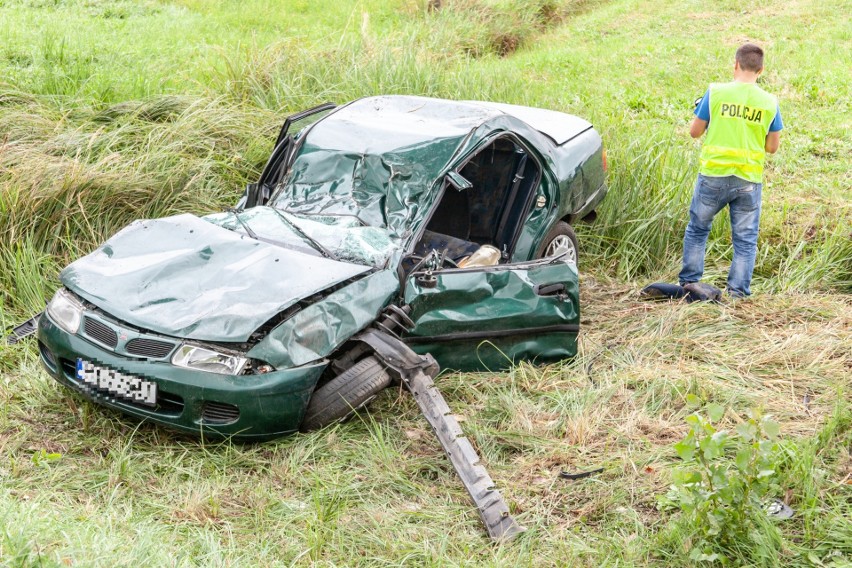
pixel 560 240
pixel 339 398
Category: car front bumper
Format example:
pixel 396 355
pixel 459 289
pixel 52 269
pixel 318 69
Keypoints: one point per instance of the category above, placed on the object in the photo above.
pixel 242 407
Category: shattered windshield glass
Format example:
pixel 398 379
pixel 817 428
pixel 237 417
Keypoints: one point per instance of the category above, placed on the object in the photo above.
pixel 384 190
pixel 379 159
pixel 344 237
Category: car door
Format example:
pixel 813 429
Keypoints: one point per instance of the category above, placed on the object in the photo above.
pixel 491 318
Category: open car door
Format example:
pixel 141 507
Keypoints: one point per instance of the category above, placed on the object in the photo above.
pixel 276 167
pixel 488 318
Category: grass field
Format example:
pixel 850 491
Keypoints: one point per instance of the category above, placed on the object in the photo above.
pixel 116 110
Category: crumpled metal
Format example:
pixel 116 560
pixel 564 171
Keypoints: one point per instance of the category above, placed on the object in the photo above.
pixel 320 328
pixel 495 300
pixel 361 184
pixel 185 277
pixel 499 298
pixel 343 236
pixel 378 159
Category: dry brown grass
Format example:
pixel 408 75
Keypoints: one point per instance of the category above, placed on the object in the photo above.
pixel 621 403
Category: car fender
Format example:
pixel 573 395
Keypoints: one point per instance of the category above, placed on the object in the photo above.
pixel 320 328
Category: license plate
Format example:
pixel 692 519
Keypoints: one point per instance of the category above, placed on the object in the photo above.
pixel 125 387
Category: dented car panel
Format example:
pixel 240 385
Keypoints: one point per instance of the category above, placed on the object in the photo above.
pixel 185 277
pixel 474 320
pixel 377 159
pixel 316 331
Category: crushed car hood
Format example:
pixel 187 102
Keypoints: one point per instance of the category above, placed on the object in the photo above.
pixel 186 277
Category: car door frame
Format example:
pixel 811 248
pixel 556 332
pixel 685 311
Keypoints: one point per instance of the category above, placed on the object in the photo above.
pixel 546 186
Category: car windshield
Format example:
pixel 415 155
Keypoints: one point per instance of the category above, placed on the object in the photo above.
pixel 379 159
pixel 340 237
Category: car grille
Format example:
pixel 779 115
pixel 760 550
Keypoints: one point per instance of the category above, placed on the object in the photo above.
pixel 148 347
pixel 100 332
pixel 219 413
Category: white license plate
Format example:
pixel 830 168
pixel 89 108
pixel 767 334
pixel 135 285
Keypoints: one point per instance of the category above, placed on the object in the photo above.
pixel 123 386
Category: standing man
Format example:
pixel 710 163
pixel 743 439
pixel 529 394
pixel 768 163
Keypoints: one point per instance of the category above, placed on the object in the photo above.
pixel 743 123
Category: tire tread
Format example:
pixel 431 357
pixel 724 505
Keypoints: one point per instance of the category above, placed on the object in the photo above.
pixel 336 399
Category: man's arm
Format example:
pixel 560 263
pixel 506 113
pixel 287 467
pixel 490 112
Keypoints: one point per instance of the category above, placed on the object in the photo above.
pixel 702 116
pixel 773 137
pixel 699 126
pixel 773 141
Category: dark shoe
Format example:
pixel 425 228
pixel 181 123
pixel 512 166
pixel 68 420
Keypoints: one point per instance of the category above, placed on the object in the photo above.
pixel 702 292
pixel 662 291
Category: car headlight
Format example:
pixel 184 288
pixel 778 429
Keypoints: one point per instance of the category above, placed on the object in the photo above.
pixel 65 310
pixel 203 359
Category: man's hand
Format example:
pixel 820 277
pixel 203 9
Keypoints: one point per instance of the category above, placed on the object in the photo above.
pixel 699 126
pixel 773 141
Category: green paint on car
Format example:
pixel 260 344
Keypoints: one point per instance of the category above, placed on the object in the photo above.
pixel 370 207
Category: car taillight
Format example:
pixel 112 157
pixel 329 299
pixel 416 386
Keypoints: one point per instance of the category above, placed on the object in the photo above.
pixel 604 159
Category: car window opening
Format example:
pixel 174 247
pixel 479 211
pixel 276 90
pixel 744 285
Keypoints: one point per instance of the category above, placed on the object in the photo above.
pixel 478 226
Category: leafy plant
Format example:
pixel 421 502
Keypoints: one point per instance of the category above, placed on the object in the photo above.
pixel 723 489
pixel 43 458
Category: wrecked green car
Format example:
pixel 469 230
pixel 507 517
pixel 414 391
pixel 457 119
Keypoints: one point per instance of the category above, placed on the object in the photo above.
pixel 446 225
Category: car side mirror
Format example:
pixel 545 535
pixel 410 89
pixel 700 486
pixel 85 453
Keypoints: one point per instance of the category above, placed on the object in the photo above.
pixel 458 181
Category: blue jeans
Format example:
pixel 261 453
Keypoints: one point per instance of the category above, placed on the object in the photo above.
pixel 743 201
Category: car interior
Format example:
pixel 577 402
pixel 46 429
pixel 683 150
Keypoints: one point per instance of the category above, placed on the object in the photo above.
pixel 478 225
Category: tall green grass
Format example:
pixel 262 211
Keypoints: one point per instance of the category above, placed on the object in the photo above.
pixel 640 225
pixel 70 182
pixel 638 233
pixel 71 178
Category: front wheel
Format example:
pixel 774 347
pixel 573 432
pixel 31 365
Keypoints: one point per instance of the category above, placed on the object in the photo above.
pixel 560 241
pixel 344 394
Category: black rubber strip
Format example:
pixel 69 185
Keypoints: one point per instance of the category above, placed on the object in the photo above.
pixel 564 328
pixel 580 475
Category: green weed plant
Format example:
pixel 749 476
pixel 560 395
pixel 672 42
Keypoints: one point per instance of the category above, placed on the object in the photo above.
pixel 723 489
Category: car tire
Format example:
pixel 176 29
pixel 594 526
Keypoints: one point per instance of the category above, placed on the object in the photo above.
pixel 340 397
pixel 560 238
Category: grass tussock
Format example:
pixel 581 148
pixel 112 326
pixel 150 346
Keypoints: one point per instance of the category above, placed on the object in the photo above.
pixel 68 184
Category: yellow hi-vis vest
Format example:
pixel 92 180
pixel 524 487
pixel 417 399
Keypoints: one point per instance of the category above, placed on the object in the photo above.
pixel 740 115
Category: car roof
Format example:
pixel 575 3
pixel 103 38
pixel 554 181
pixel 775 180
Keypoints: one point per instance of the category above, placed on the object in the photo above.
pixel 385 123
pixel 558 126
pixel 410 119
pixel 378 158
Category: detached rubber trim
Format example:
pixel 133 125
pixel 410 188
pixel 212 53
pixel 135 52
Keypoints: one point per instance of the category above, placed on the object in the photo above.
pixel 702 292
pixel 462 335
pixel 416 372
pixel 23 330
pixel 693 292
pixel 662 291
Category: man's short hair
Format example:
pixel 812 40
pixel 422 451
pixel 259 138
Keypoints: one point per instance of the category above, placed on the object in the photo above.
pixel 750 57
